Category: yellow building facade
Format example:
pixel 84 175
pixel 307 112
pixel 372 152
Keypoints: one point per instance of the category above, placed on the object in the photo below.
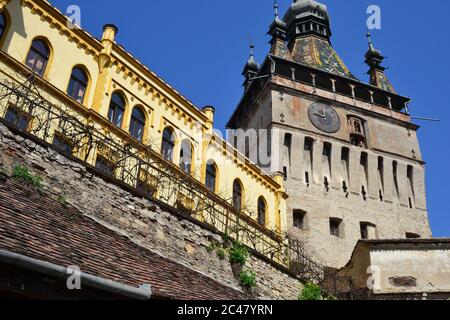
pixel 104 86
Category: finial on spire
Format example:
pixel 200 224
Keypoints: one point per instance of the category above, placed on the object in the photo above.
pixel 251 63
pixel 369 37
pixel 276 7
pixel 372 51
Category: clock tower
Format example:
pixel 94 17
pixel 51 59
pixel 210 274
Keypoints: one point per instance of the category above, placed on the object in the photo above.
pixel 348 150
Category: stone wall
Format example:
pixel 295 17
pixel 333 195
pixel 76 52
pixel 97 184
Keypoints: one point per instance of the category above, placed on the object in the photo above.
pixel 150 224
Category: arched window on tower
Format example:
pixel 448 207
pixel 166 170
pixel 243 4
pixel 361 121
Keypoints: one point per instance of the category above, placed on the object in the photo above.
pixel 78 84
pixel 137 123
pixel 237 195
pixel 38 57
pixel 3 24
pixel 211 176
pixel 168 144
pixel 116 109
pixel 357 132
pixel 262 211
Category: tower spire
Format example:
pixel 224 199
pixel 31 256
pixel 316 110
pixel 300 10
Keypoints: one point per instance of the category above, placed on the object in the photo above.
pixel 251 68
pixel 278 32
pixel 251 60
pixel 275 6
pixel 276 10
pixel 374 59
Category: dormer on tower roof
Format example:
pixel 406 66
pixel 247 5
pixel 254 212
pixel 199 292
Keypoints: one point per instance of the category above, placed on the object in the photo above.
pixel 278 31
pixel 378 78
pixel 251 68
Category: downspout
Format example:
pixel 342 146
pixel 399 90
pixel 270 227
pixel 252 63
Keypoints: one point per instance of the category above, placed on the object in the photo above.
pixel 142 293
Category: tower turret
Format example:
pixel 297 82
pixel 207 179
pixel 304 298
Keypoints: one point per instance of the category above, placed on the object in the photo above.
pixel 251 68
pixel 378 78
pixel 308 17
pixel 277 32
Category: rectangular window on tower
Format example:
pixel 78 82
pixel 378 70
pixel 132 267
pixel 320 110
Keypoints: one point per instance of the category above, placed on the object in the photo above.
pixel 345 164
pixel 395 175
pixel 336 227
pixel 299 219
pixel 308 159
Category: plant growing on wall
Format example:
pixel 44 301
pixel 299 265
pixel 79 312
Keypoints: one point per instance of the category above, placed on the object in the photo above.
pixel 248 279
pixel 238 254
pixel 313 292
pixel 21 173
pixel 221 253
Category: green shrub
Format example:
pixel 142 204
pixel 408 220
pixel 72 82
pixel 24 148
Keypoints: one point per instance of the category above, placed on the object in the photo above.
pixel 248 279
pixel 211 248
pixel 62 199
pixel 221 253
pixel 22 173
pixel 238 254
pixel 311 292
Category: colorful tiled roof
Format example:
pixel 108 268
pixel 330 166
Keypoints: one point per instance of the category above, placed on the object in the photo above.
pixel 318 53
pixel 34 225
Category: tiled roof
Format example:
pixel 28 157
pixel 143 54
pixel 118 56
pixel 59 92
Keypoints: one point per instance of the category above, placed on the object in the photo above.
pixel 36 226
pixel 318 53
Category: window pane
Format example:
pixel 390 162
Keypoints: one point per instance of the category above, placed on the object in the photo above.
pixel 77 85
pixel 2 24
pixel 41 48
pixel 237 195
pixel 16 118
pixel 39 66
pixel 104 165
pixel 116 110
pixel 137 124
pixel 38 56
pixel 261 212
pixel 186 156
pixel 118 100
pixel 211 177
pixel 80 75
pixel 62 144
pixel 167 145
pixel 31 59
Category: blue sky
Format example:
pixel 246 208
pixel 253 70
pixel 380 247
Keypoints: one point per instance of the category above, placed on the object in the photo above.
pixel 201 46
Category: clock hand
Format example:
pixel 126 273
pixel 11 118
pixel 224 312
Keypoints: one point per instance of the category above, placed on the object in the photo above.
pixel 323 116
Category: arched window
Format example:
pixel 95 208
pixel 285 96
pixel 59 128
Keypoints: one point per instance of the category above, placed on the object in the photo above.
pixel 116 109
pixel 211 176
pixel 137 123
pixel 237 195
pixel 262 210
pixel 2 24
pixel 168 144
pixel 186 156
pixel 78 84
pixel 38 57
pixel 357 134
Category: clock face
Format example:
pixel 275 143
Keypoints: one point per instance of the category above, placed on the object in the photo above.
pixel 324 118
